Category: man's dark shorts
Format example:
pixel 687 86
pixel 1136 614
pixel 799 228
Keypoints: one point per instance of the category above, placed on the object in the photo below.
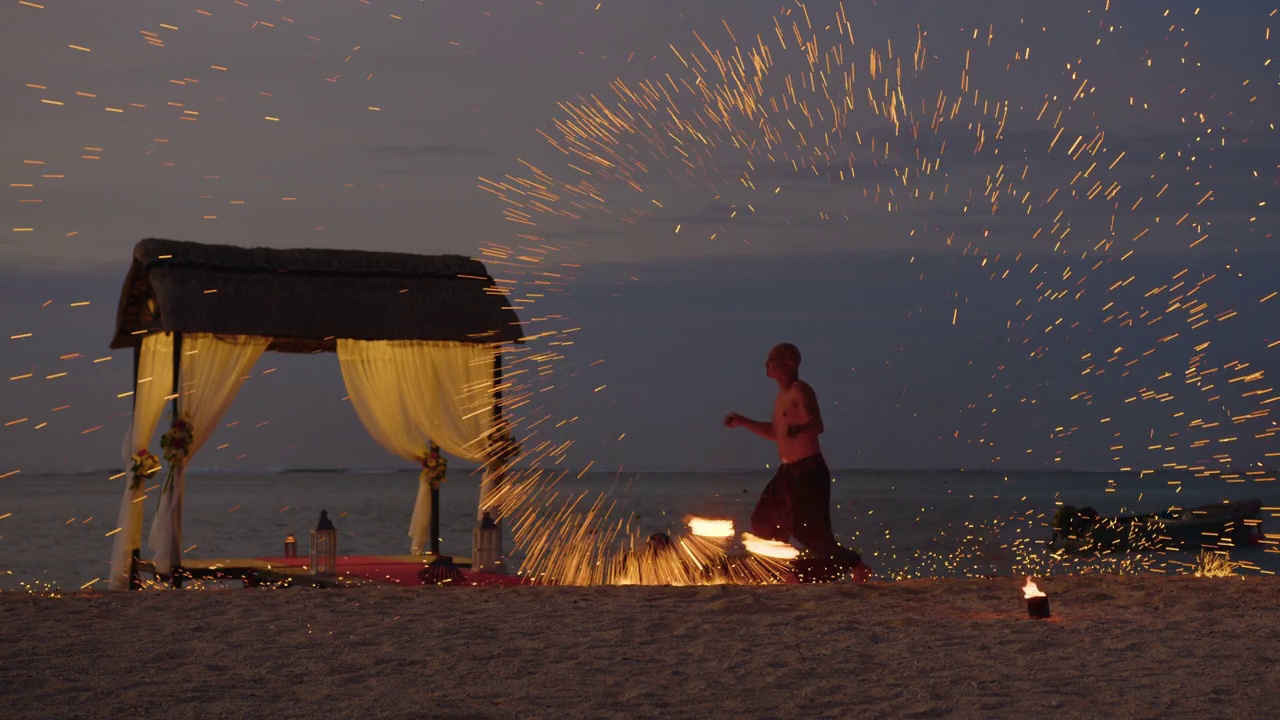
pixel 797 502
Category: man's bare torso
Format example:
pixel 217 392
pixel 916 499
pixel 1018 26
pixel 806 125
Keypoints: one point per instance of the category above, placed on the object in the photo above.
pixel 789 410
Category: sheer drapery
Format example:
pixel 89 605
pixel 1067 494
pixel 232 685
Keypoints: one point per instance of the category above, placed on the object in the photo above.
pixel 153 386
pixel 212 370
pixel 409 393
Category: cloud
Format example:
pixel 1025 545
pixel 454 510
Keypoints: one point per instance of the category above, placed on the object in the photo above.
pixel 719 213
pixel 406 152
pixel 582 231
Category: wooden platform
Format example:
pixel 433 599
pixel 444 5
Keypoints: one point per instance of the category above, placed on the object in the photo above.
pixel 284 572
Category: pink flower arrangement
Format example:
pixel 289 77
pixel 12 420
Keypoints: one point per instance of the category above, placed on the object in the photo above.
pixel 177 448
pixel 434 466
pixel 177 442
pixel 144 465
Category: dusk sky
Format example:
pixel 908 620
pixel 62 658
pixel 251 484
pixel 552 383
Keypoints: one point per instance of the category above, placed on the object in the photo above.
pixel 955 294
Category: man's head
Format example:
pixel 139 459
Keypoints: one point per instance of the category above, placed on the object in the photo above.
pixel 783 362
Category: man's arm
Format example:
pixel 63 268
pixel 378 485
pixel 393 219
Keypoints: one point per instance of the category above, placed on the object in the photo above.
pixel 809 407
pixel 763 429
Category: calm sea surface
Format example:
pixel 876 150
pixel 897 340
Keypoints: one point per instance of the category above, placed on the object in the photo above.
pixel 53 529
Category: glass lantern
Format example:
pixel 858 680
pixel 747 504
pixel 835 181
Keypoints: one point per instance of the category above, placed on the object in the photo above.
pixel 324 547
pixel 486 545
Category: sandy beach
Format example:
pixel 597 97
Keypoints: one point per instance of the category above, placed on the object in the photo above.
pixel 1116 646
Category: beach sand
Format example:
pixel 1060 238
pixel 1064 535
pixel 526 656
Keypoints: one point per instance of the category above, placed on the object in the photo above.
pixel 1117 646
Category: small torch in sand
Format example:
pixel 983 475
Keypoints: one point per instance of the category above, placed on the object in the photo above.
pixel 1037 601
pixel 290 546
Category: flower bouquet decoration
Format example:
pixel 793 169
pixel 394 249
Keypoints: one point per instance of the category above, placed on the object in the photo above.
pixel 144 466
pixel 177 448
pixel 434 466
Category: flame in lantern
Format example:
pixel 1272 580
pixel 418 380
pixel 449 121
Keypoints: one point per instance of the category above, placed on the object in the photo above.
pixel 707 527
pixel 768 548
pixel 1030 590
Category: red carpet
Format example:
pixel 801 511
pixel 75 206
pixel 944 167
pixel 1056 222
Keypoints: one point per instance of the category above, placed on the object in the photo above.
pixel 392 572
pixel 405 572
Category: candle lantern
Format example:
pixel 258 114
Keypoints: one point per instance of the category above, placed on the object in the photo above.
pixel 290 546
pixel 324 547
pixel 486 545
pixel 1037 601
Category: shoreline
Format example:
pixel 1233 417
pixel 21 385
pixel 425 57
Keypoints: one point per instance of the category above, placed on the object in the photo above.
pixel 1115 646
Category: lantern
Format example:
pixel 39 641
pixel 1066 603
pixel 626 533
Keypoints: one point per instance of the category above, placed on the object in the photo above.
pixel 290 546
pixel 486 545
pixel 324 547
pixel 441 571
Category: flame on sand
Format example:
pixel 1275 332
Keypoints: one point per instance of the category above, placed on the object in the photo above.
pixel 693 559
pixel 768 548
pixel 700 558
pixel 1030 590
pixel 711 528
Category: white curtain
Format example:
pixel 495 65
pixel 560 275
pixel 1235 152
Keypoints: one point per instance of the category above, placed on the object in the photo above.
pixel 212 370
pixel 153 387
pixel 460 377
pixel 409 393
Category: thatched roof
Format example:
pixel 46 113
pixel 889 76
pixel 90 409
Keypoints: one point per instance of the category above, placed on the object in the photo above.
pixel 308 298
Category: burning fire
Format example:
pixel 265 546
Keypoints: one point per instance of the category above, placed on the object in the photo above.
pixel 1030 590
pixel 768 548
pixel 706 527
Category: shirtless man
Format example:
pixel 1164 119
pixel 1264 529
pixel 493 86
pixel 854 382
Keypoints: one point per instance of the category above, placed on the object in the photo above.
pixel 797 501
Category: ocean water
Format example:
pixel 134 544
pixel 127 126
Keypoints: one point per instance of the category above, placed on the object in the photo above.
pixel 53 528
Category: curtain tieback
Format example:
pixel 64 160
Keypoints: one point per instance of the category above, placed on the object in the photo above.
pixel 177 448
pixel 144 466
pixel 434 467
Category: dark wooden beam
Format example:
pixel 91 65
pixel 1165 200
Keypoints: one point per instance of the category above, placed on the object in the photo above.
pixel 135 582
pixel 175 575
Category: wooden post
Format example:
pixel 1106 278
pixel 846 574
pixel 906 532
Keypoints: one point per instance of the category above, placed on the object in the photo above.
pixel 175 570
pixel 497 422
pixel 435 520
pixel 135 582
pixel 497 396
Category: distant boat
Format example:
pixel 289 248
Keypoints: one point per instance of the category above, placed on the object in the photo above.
pixel 1082 531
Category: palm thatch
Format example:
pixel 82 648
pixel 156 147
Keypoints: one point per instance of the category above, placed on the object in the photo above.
pixel 305 299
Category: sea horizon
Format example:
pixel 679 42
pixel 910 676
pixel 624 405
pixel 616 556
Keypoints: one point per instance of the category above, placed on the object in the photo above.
pixel 112 471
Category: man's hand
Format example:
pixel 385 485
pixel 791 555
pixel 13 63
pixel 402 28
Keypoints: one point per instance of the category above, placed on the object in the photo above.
pixel 764 430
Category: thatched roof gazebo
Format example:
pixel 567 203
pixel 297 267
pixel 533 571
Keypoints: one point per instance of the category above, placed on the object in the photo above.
pixel 304 299
pixel 419 339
